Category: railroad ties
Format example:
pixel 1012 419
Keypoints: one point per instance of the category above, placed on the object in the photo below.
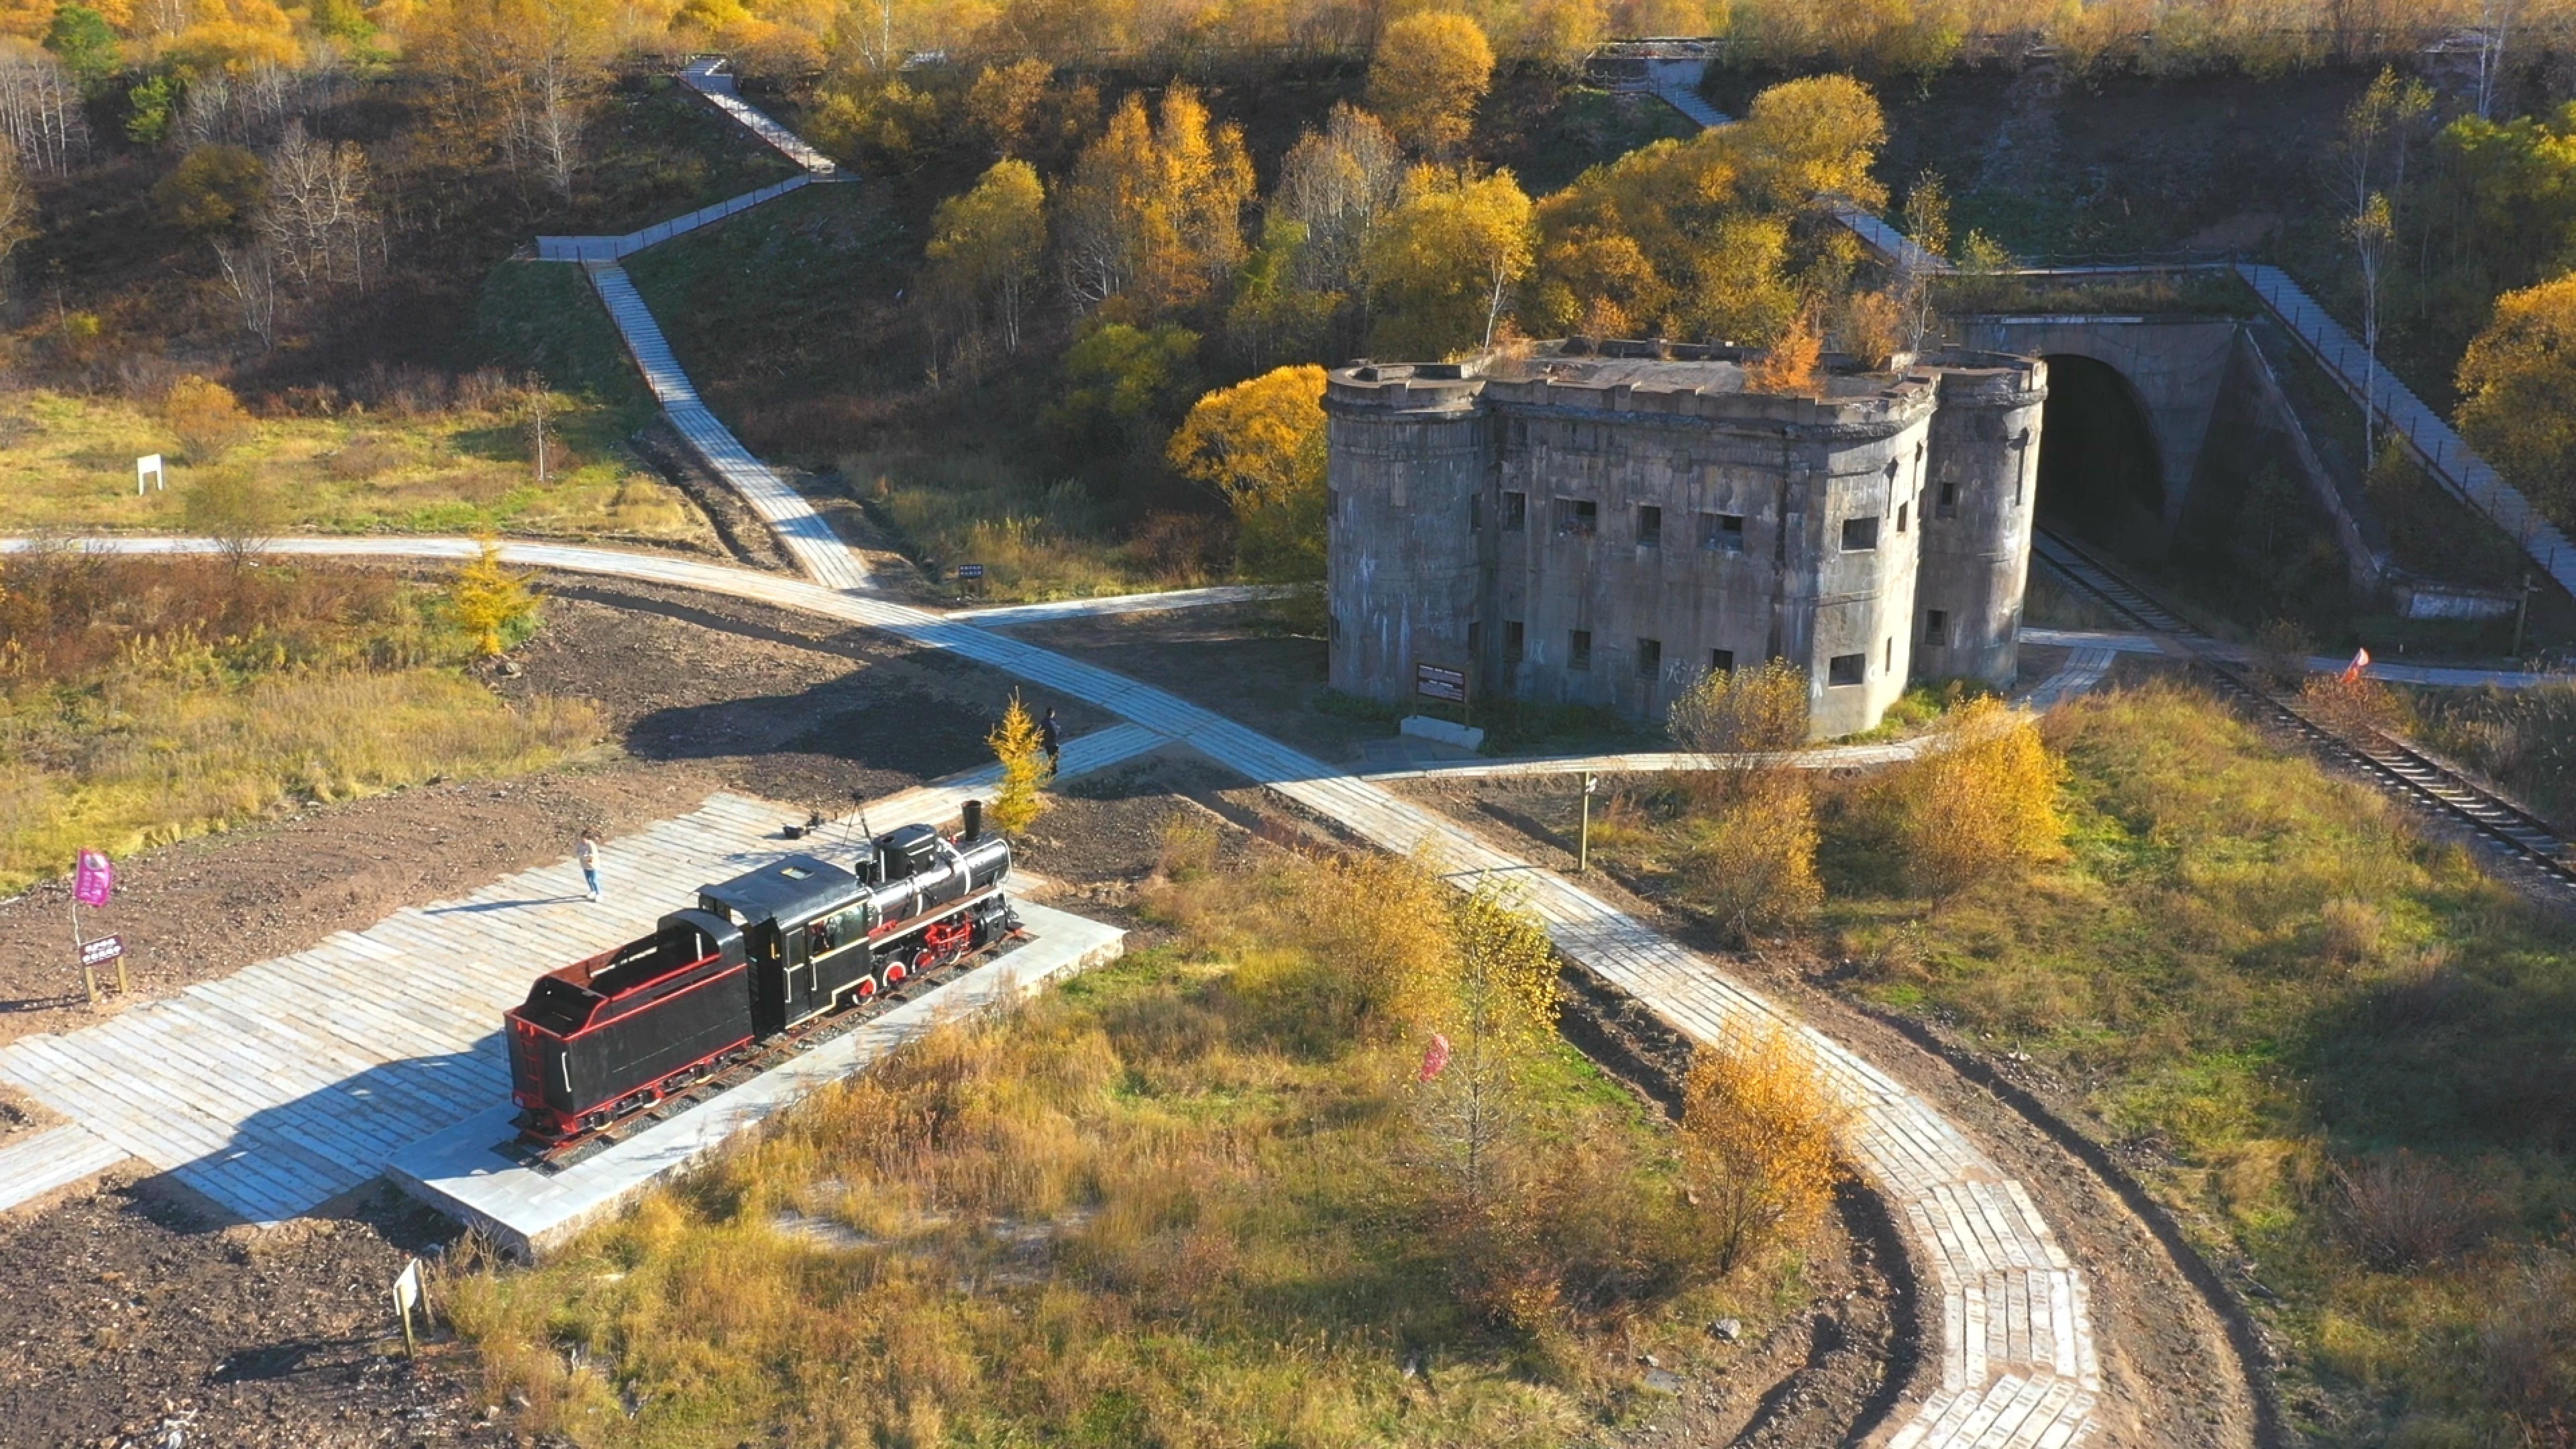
pixel 2523 839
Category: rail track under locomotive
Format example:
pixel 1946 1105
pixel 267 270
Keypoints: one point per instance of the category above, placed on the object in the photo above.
pixel 763 963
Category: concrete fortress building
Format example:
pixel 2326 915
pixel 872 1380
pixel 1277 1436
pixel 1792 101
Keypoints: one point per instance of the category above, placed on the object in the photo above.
pixel 1602 523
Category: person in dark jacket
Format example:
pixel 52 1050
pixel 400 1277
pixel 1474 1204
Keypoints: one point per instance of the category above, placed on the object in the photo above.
pixel 1051 740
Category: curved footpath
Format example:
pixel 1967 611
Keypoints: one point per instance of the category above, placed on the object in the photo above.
pixel 2016 1361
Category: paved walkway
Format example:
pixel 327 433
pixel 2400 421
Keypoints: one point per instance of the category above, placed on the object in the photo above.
pixel 1003 616
pixel 283 1085
pixel 2016 1347
pixel 2442 676
pixel 615 248
pixel 807 534
pixel 708 76
pixel 2017 1363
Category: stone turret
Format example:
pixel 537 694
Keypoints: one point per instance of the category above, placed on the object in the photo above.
pixel 1408 465
pixel 1976 530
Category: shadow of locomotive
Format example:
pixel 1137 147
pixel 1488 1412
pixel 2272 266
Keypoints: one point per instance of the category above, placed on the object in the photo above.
pixel 302 1156
pixel 848 720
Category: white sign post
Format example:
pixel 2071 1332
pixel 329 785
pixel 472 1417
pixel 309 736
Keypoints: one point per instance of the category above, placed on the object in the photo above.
pixel 149 472
pixel 408 1295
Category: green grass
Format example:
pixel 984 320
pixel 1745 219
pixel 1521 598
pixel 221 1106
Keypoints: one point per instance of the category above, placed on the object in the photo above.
pixel 1168 1203
pixel 543 317
pixel 2264 973
pixel 463 470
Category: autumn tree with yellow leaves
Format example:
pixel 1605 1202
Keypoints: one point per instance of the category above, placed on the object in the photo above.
pixel 1981 802
pixel 986 248
pixel 1015 743
pixel 1259 445
pixel 1492 999
pixel 1428 73
pixel 2518 393
pixel 1759 1136
pixel 491 601
pixel 1151 220
pixel 1442 264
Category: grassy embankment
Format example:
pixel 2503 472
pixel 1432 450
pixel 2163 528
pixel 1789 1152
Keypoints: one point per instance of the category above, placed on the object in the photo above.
pixel 2345 1049
pixel 1184 1200
pixel 427 455
pixel 143 701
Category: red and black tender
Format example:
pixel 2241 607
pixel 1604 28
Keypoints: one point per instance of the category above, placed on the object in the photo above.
pixel 758 955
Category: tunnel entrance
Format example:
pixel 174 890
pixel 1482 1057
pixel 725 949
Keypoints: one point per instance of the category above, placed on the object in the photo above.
pixel 2099 476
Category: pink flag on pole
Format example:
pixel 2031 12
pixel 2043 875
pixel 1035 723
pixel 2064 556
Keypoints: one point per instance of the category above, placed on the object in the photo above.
pixel 2360 662
pixel 93 878
pixel 1434 1057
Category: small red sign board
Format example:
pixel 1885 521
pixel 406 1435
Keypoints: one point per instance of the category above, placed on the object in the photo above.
pixel 102 950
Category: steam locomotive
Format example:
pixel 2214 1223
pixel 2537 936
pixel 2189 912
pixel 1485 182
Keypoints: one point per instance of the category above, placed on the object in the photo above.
pixel 759 955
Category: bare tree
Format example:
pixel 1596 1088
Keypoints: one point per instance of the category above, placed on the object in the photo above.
pixel 40 114
pixel 2372 230
pixel 2495 27
pixel 250 280
pixel 315 216
pixel 1338 182
pixel 17 215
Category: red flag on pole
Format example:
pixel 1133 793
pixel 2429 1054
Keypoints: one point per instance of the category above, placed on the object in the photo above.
pixel 1434 1057
pixel 2360 662
pixel 93 878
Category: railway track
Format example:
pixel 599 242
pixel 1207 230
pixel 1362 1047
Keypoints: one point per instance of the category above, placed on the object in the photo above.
pixel 2398 768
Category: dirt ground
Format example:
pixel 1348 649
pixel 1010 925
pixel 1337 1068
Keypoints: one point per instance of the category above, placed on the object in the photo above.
pixel 127 1313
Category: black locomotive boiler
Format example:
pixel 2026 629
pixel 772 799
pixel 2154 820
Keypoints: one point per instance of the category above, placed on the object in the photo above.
pixel 758 955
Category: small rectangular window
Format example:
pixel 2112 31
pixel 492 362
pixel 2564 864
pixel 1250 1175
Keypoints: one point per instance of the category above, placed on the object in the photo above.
pixel 1947 504
pixel 1936 627
pixel 1650 526
pixel 1475 513
pixel 1900 518
pixel 1846 668
pixel 1515 511
pixel 1515 641
pixel 1578 517
pixel 1890 665
pixel 1475 641
pixel 1578 649
pixel 1722 531
pixel 1332 503
pixel 1650 658
pixel 1721 661
pixel 1860 534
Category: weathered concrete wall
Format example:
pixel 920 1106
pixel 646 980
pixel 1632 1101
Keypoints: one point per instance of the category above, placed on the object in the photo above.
pixel 1402 580
pixel 2175 366
pixel 1603 530
pixel 1977 520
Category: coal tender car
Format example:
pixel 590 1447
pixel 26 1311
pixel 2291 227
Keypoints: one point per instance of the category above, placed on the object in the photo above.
pixel 756 957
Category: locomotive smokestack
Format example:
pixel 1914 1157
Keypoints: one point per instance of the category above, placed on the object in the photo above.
pixel 974 820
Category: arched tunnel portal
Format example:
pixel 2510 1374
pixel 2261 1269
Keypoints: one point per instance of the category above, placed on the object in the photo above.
pixel 2101 475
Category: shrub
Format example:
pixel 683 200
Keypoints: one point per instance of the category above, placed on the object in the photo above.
pixel 491 602
pixel 1492 1000
pixel 2353 706
pixel 1759 1127
pixel 2399 1210
pixel 1730 712
pixel 1752 863
pixel 1982 801
pixel 206 418
pixel 1016 801
pixel 237 508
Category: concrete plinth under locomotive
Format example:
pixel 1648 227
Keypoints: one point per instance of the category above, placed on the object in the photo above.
pixel 477 1172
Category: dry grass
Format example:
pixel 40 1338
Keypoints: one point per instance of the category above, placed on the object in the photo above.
pixel 143 701
pixel 1035 541
pixel 456 470
pixel 1183 1201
